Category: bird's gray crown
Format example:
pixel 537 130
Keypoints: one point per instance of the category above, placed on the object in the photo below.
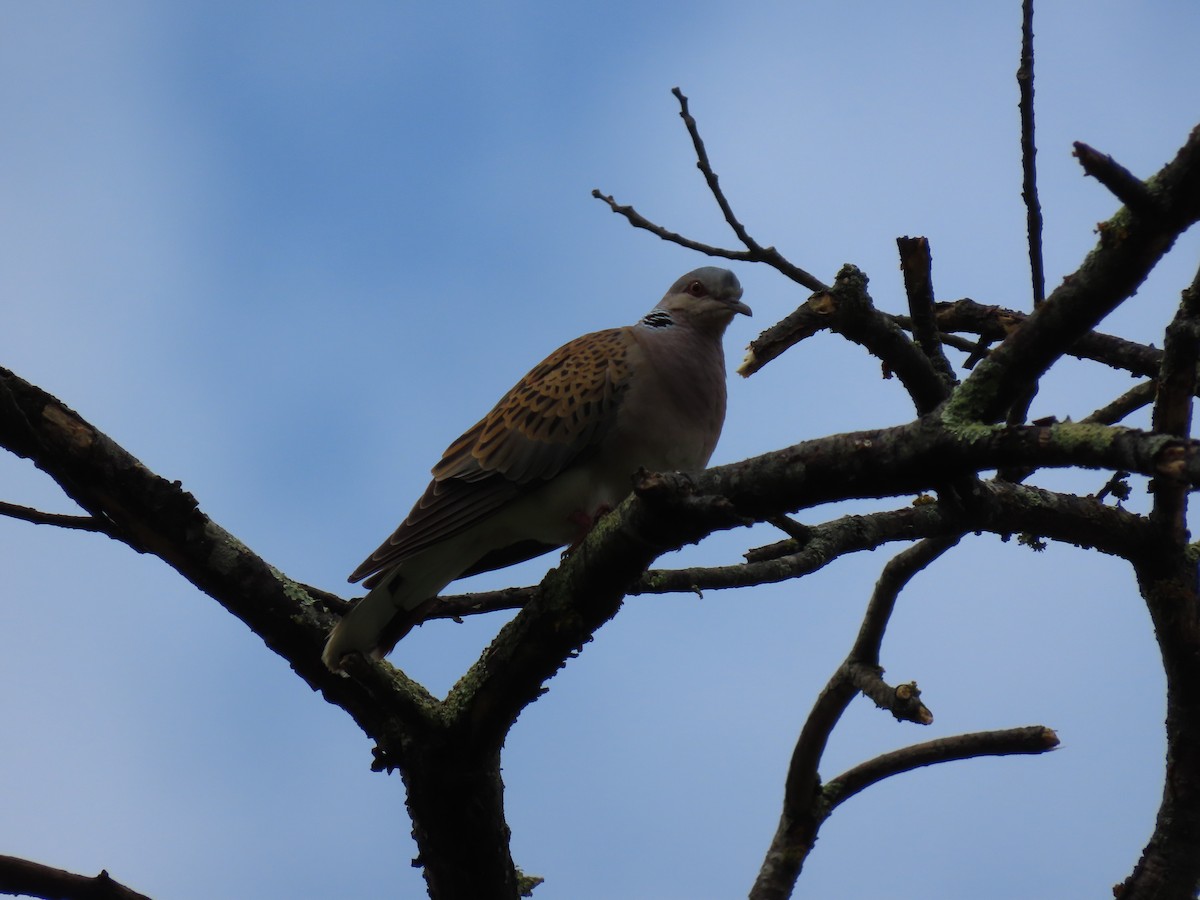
pixel 717 282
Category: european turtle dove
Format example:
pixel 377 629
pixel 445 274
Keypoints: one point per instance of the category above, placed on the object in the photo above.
pixel 558 450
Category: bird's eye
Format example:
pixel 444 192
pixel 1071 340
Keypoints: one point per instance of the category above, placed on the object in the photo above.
pixel 696 289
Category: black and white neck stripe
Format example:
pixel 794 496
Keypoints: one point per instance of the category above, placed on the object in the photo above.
pixel 657 318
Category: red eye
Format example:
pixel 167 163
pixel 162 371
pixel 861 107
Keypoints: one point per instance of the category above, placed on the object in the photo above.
pixel 696 289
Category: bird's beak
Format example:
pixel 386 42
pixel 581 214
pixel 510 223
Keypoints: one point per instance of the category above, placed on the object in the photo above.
pixel 739 307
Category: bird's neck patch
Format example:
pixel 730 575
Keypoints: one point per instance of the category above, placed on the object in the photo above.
pixel 657 318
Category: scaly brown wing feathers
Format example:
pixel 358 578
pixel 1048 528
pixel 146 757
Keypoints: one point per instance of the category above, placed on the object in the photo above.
pixel 554 416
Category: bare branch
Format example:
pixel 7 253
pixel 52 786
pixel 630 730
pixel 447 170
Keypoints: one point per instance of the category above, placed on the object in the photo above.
pixel 25 878
pixel 808 319
pixel 1169 865
pixel 767 255
pixel 1029 191
pixel 847 309
pixel 998 507
pixel 791 559
pixel 896 575
pixel 1019 411
pixel 1125 186
pixel 804 809
pixel 710 176
pixel 995 323
pixel 795 530
pixel 1137 397
pixel 916 263
pixel 637 220
pixel 458 606
pixel 154 515
pixel 1030 739
pixel 1173 408
pixel 37 517
pixel 754 252
pixel 1129 247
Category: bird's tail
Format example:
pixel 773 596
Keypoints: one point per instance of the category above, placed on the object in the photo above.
pixel 375 623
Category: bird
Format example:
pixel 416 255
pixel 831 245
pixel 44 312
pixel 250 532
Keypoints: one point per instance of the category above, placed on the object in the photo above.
pixel 556 452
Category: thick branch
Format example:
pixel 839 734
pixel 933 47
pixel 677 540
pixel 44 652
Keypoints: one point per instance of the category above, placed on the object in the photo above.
pixel 1170 863
pixel 580 596
pixel 466 731
pixel 916 264
pixel 996 507
pixel 847 310
pixel 25 878
pixel 1123 184
pixel 1167 577
pixel 153 515
pixel 1026 740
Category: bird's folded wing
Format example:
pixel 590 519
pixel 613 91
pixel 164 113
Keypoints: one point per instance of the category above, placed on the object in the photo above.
pixel 552 419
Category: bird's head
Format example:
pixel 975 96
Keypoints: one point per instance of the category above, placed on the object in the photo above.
pixel 707 298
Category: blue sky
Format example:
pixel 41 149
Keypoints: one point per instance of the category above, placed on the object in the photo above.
pixel 285 252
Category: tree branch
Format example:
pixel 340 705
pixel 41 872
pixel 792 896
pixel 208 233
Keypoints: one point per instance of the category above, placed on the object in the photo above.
pixel 1173 409
pixel 37 517
pixel 916 264
pixel 1029 191
pixel 1123 184
pixel 154 515
pixel 767 255
pixel 754 251
pixel 1029 739
pixel 1128 249
pixel 22 877
pixel 847 310
pixel 1137 397
pixel 637 220
pixel 803 810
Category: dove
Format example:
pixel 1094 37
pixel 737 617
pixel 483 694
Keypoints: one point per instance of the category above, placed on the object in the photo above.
pixel 559 450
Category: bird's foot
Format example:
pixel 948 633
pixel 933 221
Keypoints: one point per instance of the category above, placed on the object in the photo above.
pixel 584 522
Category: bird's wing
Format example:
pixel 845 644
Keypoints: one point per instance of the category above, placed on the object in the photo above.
pixel 554 417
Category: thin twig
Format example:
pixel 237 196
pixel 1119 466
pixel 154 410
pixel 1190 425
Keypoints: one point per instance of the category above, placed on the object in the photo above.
pixel 1018 411
pixel 1029 191
pixel 1137 397
pixel 710 176
pixel 458 606
pixel 754 252
pixel 59 520
pixel 637 220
